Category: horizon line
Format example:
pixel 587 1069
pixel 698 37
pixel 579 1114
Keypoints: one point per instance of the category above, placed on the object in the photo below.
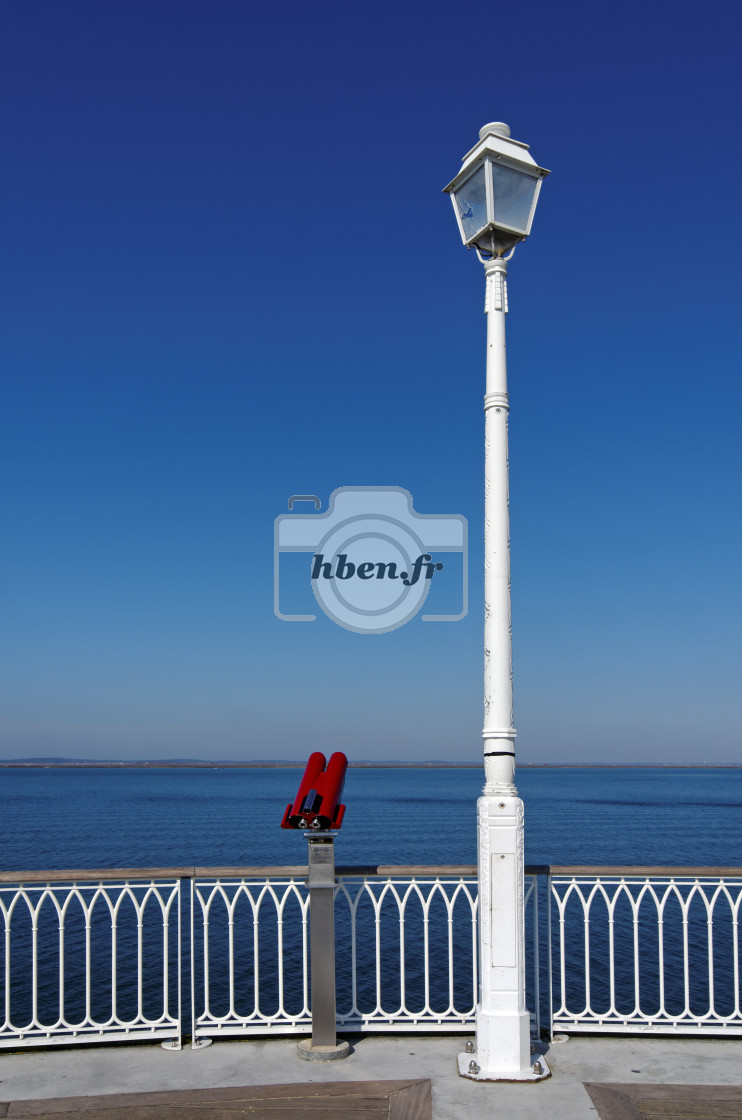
pixel 61 763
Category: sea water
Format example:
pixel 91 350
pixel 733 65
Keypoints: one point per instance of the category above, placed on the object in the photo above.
pixel 78 818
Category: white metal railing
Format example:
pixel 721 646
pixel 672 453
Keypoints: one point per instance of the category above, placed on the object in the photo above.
pixel 406 950
pixel 95 956
pixel 414 951
pixel 89 957
pixel 647 949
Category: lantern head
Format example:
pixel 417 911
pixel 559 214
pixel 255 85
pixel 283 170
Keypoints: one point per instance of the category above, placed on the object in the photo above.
pixel 494 194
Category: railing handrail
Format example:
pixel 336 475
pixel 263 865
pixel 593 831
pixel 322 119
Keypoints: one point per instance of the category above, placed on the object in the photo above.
pixel 298 871
pixel 294 871
pixel 649 872
pixel 80 875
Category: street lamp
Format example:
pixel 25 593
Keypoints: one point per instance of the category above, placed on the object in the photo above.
pixel 494 198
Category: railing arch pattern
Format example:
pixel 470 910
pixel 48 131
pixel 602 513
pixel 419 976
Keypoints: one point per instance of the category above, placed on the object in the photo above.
pixel 87 958
pixel 95 956
pixel 641 950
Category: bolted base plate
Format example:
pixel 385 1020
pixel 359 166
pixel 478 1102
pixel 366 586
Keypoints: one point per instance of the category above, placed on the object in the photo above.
pixel 539 1073
pixel 311 1053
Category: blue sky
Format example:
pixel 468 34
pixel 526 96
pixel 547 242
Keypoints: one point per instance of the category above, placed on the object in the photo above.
pixel 229 275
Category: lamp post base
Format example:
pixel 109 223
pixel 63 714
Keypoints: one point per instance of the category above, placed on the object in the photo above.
pixel 311 1053
pixel 502 1050
pixel 469 1067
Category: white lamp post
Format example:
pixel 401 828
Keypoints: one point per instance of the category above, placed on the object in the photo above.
pixel 494 198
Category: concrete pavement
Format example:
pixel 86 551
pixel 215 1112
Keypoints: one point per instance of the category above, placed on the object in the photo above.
pixel 147 1067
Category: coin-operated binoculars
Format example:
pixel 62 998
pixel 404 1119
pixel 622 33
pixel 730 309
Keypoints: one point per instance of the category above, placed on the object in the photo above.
pixel 317 803
pixel 317 810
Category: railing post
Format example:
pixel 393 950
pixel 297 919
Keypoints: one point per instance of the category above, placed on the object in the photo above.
pixel 177 1042
pixel 536 885
pixel 197 1043
pixel 323 1044
pixel 548 938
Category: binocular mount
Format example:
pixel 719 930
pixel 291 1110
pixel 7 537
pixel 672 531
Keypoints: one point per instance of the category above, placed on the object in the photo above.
pixel 317 810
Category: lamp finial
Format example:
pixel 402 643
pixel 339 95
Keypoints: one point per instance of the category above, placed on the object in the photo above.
pixel 497 128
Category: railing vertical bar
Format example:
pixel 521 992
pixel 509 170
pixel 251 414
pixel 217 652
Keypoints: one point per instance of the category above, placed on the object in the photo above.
pixel 402 962
pixel 611 904
pixel 305 953
pixel 88 972
pixel 256 952
pixel 61 916
pixel 661 953
pixel 377 943
pixel 586 911
pixel 114 964
pixel 194 895
pixel 536 957
pixel 548 938
pixel 562 955
pixel 8 921
pixel 710 950
pixel 180 971
pixel 230 949
pixel 353 956
pixel 475 953
pixel 637 994
pixel 140 958
pixel 686 961
pixel 165 955
pixel 735 950
pixel 279 956
pixel 451 1000
pixel 426 951
pixel 35 963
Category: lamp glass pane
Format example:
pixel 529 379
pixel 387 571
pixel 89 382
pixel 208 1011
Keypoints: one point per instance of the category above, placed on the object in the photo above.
pixel 471 203
pixel 513 195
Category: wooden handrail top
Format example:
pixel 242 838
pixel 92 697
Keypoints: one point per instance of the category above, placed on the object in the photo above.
pixel 290 871
pixel 93 874
pixel 647 872
pixel 299 871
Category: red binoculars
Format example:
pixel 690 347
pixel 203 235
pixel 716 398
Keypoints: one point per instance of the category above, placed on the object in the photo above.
pixel 317 803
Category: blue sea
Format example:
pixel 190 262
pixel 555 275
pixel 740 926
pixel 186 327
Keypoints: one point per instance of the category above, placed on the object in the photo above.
pixel 75 818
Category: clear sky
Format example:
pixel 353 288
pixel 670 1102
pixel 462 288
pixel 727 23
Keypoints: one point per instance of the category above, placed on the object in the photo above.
pixel 229 276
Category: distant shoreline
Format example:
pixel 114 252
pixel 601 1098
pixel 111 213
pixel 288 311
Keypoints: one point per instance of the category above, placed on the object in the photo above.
pixel 165 765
